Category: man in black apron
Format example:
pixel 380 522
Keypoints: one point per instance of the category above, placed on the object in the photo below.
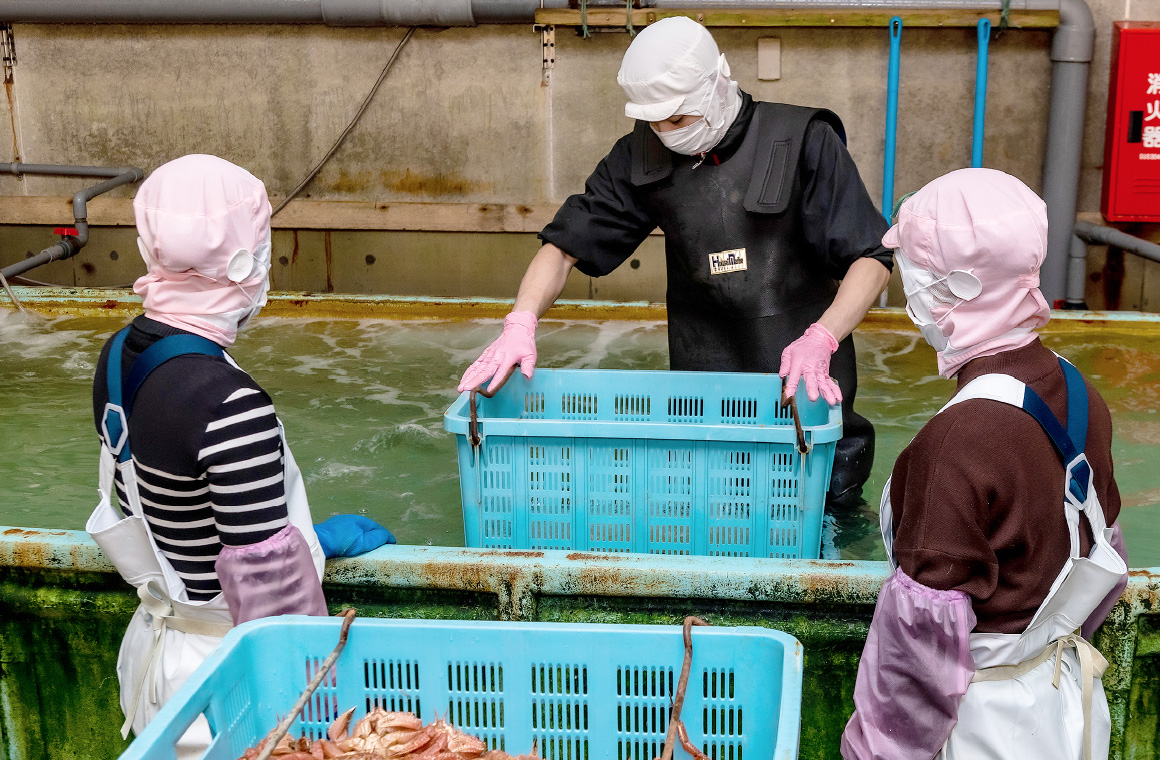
pixel 763 212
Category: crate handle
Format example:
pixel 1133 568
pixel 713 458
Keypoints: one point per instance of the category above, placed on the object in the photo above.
pixel 676 726
pixel 347 618
pixel 803 446
pixel 473 424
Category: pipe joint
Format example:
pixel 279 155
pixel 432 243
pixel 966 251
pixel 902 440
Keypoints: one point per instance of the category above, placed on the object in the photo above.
pixel 1074 39
pixel 1100 235
pixel 397 13
pixel 71 245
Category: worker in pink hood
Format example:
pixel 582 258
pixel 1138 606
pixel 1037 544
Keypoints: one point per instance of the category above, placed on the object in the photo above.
pixel 210 524
pixel 204 228
pixel 1000 517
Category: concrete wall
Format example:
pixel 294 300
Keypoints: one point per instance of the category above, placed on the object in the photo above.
pixel 463 118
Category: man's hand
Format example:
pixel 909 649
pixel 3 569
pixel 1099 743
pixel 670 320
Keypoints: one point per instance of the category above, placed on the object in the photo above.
pixel 808 358
pixel 516 345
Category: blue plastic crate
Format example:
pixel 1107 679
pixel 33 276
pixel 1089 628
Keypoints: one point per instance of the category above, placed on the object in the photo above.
pixel 702 463
pixel 583 692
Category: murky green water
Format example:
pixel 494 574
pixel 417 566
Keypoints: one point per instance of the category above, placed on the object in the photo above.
pixel 363 407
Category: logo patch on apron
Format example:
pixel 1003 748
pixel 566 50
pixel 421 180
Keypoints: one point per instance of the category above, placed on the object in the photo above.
pixel 727 261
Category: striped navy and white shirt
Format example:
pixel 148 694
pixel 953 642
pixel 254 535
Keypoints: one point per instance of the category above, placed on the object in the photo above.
pixel 207 453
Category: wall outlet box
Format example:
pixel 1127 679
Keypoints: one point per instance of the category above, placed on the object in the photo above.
pixel 769 58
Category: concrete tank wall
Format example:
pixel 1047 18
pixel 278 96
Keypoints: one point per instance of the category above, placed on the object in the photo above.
pixel 463 118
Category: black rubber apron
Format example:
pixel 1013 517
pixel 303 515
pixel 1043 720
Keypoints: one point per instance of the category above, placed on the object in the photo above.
pixel 725 316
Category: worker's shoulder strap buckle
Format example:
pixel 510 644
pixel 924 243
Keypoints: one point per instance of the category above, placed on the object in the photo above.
pixel 1079 480
pixel 115 428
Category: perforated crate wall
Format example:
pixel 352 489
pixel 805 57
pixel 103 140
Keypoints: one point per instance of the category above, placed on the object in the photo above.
pixel 580 692
pixel 658 462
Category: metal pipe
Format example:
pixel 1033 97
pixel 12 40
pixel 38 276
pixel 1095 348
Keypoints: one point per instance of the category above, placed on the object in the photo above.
pixel 82 197
pixel 70 245
pixel 1071 53
pixel 398 13
pixel 63 249
pixel 389 12
pixel 330 12
pixel 63 170
pixel 1101 235
pixel 987 5
pixel 1076 274
pixel 980 93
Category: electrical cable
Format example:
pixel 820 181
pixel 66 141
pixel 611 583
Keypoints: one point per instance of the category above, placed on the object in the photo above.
pixel 362 109
pixel 22 280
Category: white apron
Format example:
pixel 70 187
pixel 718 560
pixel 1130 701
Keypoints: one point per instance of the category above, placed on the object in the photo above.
pixel 169 635
pixel 1038 694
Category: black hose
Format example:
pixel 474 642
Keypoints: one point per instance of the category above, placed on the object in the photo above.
pixel 358 115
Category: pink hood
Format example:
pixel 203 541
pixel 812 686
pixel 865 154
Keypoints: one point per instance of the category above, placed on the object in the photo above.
pixel 194 215
pixel 989 223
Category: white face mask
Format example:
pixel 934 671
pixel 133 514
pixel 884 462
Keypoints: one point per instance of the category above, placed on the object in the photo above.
pixel 718 106
pixel 924 290
pixel 242 267
pixel 697 137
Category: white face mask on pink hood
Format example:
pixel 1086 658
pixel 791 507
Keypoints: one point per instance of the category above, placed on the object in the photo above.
pixel 969 248
pixel 926 291
pixel 204 228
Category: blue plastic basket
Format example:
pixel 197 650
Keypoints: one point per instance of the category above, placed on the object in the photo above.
pixel 702 463
pixel 583 692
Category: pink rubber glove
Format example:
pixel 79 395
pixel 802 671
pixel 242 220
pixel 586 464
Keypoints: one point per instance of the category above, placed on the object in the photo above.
pixel 516 345
pixel 808 358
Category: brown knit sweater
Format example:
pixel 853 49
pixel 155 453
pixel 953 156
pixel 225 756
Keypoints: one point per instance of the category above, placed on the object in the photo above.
pixel 978 494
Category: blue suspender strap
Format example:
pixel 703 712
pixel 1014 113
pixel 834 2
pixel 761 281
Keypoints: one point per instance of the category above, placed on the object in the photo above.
pixel 115 422
pixel 1077 405
pixel 161 352
pixel 1063 438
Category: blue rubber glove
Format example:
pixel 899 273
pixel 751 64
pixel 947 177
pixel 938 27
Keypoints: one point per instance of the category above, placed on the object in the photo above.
pixel 351 535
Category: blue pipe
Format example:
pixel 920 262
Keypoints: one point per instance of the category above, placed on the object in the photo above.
pixel 891 117
pixel 980 93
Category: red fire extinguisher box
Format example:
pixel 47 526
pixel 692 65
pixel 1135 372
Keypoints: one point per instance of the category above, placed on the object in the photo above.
pixel 1131 191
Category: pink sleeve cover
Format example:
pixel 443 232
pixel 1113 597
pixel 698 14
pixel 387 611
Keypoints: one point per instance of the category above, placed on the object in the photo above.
pixel 1100 614
pixel 914 671
pixel 272 577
